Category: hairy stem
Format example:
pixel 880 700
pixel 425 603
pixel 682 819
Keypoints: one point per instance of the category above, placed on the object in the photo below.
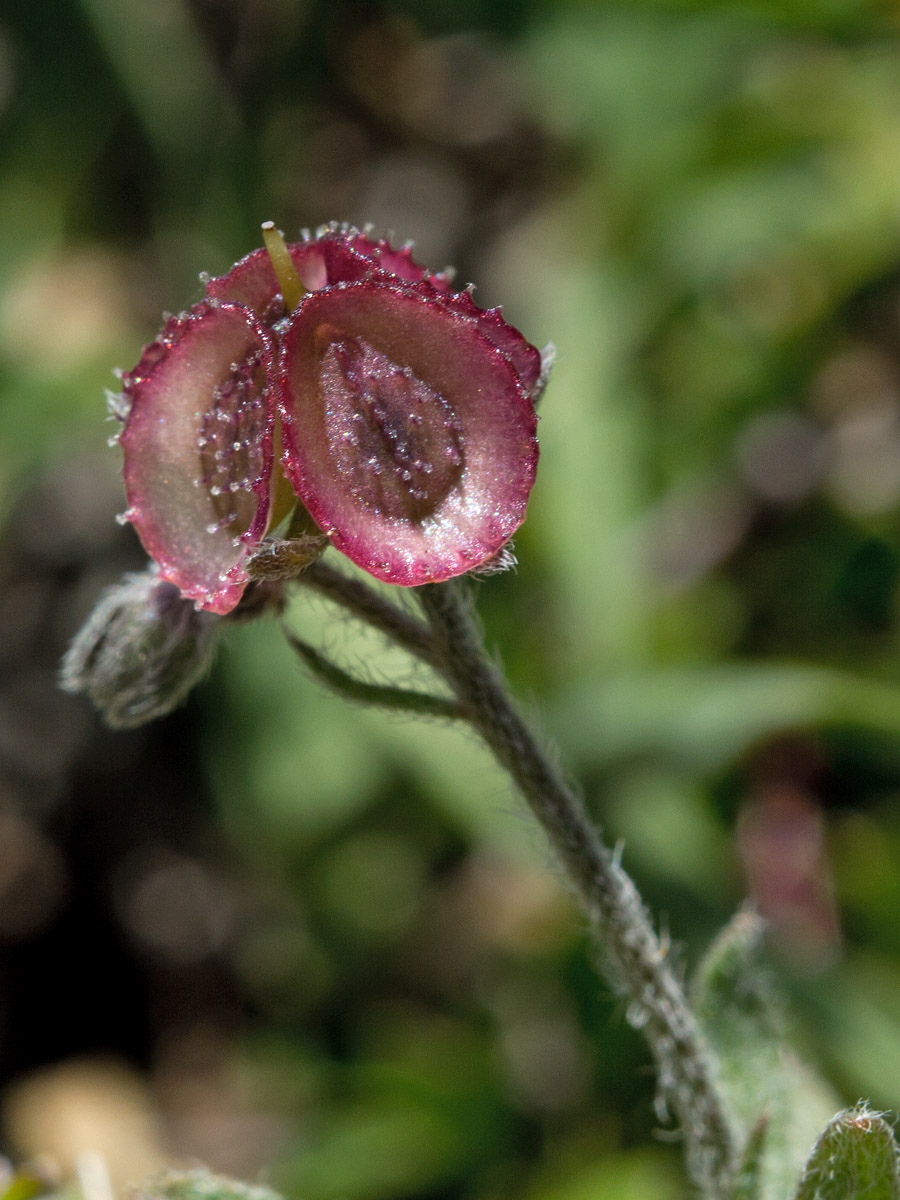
pixel 360 691
pixel 363 602
pixel 637 963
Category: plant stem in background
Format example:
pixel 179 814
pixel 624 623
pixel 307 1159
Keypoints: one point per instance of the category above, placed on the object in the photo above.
pixel 637 962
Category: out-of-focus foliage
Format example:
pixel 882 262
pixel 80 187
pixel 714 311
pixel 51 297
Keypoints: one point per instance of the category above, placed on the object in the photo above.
pixel 363 977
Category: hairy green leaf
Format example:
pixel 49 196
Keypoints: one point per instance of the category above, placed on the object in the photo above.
pixel 777 1102
pixel 856 1156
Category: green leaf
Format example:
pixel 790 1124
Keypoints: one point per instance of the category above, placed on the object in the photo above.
pixel 705 716
pixel 777 1102
pixel 748 1182
pixel 200 1185
pixel 25 1185
pixel 855 1156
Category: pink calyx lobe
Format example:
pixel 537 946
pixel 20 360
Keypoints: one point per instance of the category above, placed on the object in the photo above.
pixel 407 432
pixel 341 254
pixel 395 441
pixel 197 442
pixel 337 254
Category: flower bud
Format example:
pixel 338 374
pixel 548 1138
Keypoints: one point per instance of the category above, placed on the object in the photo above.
pixel 140 651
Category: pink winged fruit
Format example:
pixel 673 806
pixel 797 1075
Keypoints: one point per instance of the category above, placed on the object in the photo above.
pixel 400 413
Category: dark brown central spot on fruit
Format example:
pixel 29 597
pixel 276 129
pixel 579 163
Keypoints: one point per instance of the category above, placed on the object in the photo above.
pixel 231 446
pixel 396 441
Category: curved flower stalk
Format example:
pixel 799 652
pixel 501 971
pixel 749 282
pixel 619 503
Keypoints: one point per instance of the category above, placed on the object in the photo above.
pixel 339 373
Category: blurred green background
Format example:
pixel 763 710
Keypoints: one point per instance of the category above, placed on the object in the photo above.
pixel 310 943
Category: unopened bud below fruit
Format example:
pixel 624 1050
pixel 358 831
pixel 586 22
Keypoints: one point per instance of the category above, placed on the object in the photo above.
pixel 140 651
